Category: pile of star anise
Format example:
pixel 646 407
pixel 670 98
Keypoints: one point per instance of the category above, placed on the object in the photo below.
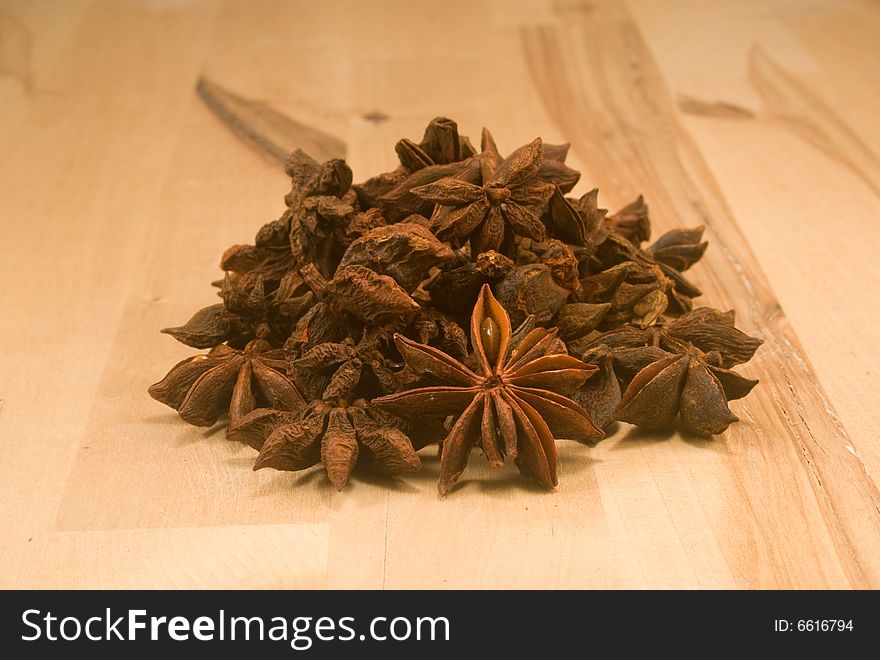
pixel 461 299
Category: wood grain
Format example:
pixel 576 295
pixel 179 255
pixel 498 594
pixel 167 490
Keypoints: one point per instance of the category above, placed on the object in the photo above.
pixel 122 190
pixel 802 111
pixel 810 221
pixel 662 161
pixel 268 130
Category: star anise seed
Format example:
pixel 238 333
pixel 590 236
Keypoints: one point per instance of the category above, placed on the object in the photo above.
pixel 510 406
pixel 204 387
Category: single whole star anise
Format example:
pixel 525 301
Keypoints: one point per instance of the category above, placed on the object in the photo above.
pixel 337 435
pixel 337 428
pixel 678 369
pixel 508 198
pixel 690 385
pixel 204 387
pixel 511 406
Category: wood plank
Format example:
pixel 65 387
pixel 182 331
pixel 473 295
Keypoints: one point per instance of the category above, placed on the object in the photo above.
pixel 81 176
pixel 802 175
pixel 237 557
pixel 795 507
pixel 136 190
pixel 32 35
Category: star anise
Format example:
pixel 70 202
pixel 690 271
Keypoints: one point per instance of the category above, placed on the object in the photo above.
pixel 510 406
pixel 691 385
pixel 654 281
pixel 679 248
pixel 337 428
pixel 245 310
pixel 404 251
pixel 641 284
pixel 639 288
pixel 332 371
pixel 459 281
pixel 600 395
pixel 356 297
pixel 271 256
pixel 553 169
pixel 245 263
pixel 435 328
pixel 531 289
pixel 440 145
pixel 400 201
pixel 679 368
pixel 204 387
pixel 632 221
pixel 578 222
pixel 339 436
pixel 708 329
pixel 369 286
pixel 509 198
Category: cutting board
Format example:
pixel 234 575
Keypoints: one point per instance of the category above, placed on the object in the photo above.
pixel 125 186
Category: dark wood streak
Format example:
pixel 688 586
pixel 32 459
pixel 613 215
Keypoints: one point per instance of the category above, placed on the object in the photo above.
pixel 721 109
pixel 273 133
pixel 599 82
pixel 16 44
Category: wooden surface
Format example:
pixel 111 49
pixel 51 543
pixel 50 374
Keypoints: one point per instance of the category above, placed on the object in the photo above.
pixel 120 189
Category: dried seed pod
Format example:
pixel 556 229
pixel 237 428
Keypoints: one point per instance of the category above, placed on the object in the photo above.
pixel 384 448
pixel 630 361
pixel 685 386
pixel 205 387
pixel 412 157
pixel 680 248
pixel 458 284
pixel 360 224
pixel 370 192
pixel 269 258
pixel 512 404
pixel 578 222
pixel 400 202
pixel 576 320
pixel 303 172
pixel 346 268
pixel 339 447
pixel 310 178
pixel 440 145
pixel 707 329
pixel 322 323
pixel 493 265
pixel 441 141
pixel 563 265
pixel 600 396
pixel 313 230
pixel 208 327
pixel 337 436
pixel 373 298
pixel 403 251
pixel 552 171
pixel 246 310
pixel 435 328
pixel 506 202
pixel 711 330
pixel 558 174
pixel 531 290
pixel 600 287
pixel 632 221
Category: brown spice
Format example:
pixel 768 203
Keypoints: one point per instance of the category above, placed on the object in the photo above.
pixel 511 405
pixel 363 292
